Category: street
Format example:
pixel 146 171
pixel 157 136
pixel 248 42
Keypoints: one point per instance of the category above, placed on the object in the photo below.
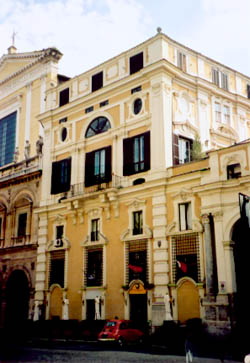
pixel 89 352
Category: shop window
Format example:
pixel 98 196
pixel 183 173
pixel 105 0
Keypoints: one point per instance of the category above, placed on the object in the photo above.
pixel 137 261
pixel 233 171
pixel 185 216
pixel 61 176
pixel 94 267
pixel 56 269
pixel 98 126
pixel 22 224
pixel 137 223
pixel 64 97
pixel 95 230
pixel 136 154
pixel 98 167
pixel 97 81
pixel 185 257
pixel 136 63
pixel 7 138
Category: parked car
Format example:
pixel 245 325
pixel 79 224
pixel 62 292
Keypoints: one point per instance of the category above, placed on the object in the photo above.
pixel 122 332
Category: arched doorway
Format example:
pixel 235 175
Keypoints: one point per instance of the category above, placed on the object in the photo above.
pixel 241 237
pixel 188 301
pixel 17 297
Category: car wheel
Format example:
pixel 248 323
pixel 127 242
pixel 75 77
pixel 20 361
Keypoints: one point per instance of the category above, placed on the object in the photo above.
pixel 121 342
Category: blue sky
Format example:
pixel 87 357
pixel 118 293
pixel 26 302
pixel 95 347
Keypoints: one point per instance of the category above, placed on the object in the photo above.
pixel 89 32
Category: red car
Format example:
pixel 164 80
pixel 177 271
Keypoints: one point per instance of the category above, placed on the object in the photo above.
pixel 122 332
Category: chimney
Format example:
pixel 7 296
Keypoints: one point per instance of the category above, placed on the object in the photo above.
pixel 12 49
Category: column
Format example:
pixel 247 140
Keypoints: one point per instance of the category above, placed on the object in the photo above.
pixel 208 256
pixel 230 266
pixel 220 255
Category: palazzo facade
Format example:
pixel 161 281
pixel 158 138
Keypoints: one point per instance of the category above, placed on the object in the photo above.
pixel 130 206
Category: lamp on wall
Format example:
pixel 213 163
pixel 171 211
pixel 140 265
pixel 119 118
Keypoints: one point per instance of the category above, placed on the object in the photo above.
pixel 159 244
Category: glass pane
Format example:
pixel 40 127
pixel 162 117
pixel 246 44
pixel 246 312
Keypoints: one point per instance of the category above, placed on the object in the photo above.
pixel 142 148
pixel 136 150
pixel 182 217
pixel 97 163
pixel 102 171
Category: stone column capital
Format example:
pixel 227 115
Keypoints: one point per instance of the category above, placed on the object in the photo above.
pixel 205 218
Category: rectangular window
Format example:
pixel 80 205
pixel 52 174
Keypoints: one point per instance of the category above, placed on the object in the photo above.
pixel 136 154
pixel 181 61
pixel 7 138
pixel 94 267
pixel 136 63
pixel 98 167
pixel 104 103
pixel 57 263
pixel 185 147
pixel 185 216
pixel 248 90
pixel 216 76
pixel 224 81
pixel 61 176
pixel 22 223
pixel 137 261
pixel 185 257
pixel 89 109
pixel 217 112
pixel 64 97
pixel 136 89
pixel 95 230
pixel 226 112
pixel 62 120
pixel 97 81
pixel 233 171
pixel 137 223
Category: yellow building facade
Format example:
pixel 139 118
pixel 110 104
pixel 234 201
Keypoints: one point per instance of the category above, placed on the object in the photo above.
pixel 129 209
pixel 24 79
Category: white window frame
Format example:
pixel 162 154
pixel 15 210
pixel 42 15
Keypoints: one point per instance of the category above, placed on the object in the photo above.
pixel 185 216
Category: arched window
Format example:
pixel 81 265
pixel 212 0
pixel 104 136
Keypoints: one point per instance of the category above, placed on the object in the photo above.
pixel 97 126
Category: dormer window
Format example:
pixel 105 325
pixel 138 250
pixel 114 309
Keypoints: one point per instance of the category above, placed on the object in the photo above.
pixel 233 171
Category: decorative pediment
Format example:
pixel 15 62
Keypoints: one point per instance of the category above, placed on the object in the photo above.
pixel 59 219
pixel 58 244
pixel 136 203
pixel 172 228
pixel 87 241
pixel 183 194
pixel 127 235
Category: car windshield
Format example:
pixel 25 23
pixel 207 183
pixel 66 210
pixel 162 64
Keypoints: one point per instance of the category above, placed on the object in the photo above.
pixel 111 323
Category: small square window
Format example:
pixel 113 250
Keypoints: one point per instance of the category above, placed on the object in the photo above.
pixel 64 97
pixel 185 216
pixel 137 223
pixel 97 81
pixel 89 109
pixel 136 89
pixel 95 230
pixel 104 103
pixel 136 63
pixel 233 171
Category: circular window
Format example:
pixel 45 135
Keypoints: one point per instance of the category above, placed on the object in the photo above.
pixel 137 106
pixel 64 134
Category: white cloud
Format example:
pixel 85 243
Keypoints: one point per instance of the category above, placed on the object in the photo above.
pixel 87 32
pixel 222 33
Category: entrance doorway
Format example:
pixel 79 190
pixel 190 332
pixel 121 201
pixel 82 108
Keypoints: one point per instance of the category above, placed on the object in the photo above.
pixel 17 297
pixel 240 236
pixel 188 301
pixel 138 308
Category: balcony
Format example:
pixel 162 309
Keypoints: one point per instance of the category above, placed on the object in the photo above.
pixel 21 169
pixel 17 241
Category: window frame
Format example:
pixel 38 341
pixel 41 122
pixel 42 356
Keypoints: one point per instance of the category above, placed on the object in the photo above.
pixel 97 129
pixel 95 230
pixel 8 135
pixel 91 178
pixel 188 150
pixel 61 169
pixel 137 222
pixel 185 216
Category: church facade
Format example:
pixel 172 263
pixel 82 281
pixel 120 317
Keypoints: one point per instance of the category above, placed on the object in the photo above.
pixel 144 158
pixel 24 78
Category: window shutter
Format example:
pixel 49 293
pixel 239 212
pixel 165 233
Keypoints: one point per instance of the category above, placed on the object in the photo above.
pixel 66 186
pixel 127 157
pixel 147 150
pixel 108 164
pixel 248 91
pixel 89 169
pixel 175 149
pixel 54 178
